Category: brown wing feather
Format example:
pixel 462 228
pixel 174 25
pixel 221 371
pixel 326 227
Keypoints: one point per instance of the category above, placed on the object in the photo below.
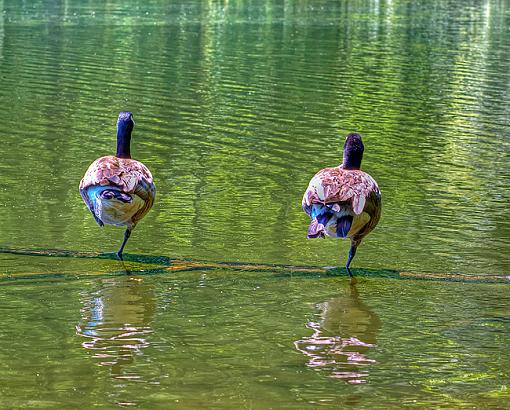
pixel 129 175
pixel 121 172
pixel 148 193
pixel 373 209
pixel 333 185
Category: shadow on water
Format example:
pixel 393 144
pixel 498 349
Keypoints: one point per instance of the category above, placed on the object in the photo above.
pixel 343 338
pixel 155 264
pixel 64 253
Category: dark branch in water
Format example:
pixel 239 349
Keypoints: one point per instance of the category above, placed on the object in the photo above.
pixel 165 264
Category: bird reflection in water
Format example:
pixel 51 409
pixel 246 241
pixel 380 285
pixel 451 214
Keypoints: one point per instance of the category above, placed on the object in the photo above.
pixel 116 322
pixel 341 340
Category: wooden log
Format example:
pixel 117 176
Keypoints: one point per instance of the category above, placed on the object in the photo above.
pixel 154 264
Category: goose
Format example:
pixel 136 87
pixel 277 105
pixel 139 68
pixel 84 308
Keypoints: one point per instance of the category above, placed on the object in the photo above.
pixel 117 189
pixel 343 201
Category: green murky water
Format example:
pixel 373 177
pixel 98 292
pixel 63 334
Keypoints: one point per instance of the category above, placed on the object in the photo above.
pixel 237 104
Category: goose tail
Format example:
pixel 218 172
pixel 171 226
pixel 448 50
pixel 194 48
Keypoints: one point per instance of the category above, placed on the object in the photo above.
pixel 331 220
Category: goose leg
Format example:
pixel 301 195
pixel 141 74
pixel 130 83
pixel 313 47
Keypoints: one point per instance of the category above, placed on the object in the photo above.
pixel 352 252
pixel 127 234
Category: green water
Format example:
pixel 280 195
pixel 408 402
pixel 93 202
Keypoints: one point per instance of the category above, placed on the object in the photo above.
pixel 237 104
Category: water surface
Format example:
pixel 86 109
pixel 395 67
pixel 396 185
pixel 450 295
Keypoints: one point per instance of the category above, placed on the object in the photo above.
pixel 237 105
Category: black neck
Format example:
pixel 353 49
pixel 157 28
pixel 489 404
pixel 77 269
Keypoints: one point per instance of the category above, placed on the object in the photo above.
pixel 124 140
pixel 352 160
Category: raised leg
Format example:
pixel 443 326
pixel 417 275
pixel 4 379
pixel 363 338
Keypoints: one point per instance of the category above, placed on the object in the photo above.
pixel 127 234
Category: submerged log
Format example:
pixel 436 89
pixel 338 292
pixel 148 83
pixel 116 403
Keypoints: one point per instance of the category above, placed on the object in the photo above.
pixel 154 264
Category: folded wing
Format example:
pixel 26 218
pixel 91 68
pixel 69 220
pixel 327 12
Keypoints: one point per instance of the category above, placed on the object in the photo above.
pixel 127 175
pixel 337 185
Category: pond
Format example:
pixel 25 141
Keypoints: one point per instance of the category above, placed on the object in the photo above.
pixel 222 301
